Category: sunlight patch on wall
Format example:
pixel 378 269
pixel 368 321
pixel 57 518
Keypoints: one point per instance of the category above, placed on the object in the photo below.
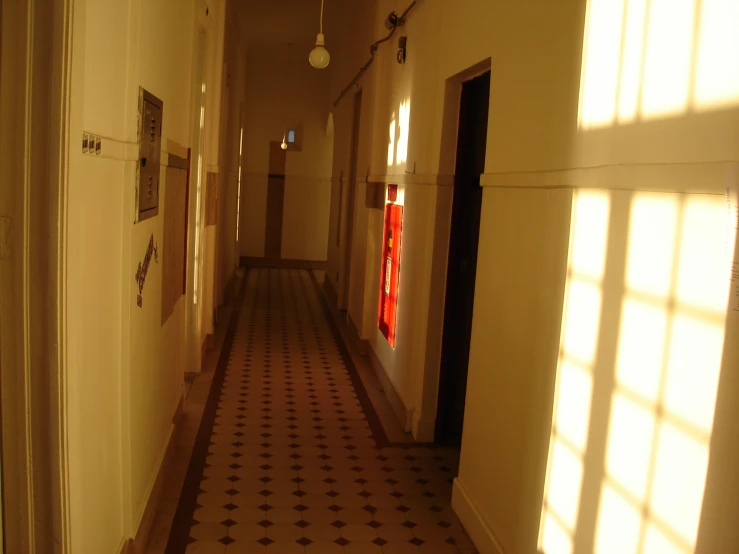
pixel 669 357
pixel 629 87
pixel 599 82
pixel 391 144
pixel 644 59
pixel 404 119
pixel 701 275
pixel 554 538
pixel 574 388
pixel 238 186
pixel 198 200
pixel 717 70
pixel 640 350
pixel 667 57
pixel 397 150
pixel 621 533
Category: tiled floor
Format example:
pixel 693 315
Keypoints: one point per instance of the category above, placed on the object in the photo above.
pixel 290 456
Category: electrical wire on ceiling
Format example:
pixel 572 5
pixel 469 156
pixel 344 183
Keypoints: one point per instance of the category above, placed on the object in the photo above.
pixel 393 22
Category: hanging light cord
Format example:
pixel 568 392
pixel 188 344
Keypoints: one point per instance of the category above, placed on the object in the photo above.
pixel 321 25
pixel 373 49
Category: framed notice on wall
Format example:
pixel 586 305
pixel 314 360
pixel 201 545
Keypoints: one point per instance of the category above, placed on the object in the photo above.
pixel 390 275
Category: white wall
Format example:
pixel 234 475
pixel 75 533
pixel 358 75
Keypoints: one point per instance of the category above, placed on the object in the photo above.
pixel 122 395
pixel 539 151
pixel 283 89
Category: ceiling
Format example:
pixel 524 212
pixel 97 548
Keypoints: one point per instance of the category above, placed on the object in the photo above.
pixel 285 23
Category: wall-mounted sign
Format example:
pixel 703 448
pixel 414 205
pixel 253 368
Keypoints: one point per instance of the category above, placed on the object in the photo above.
pixel 143 269
pixel 390 276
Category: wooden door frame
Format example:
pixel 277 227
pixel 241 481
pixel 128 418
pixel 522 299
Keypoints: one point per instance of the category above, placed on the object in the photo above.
pixel 445 402
pixel 34 121
pixel 424 418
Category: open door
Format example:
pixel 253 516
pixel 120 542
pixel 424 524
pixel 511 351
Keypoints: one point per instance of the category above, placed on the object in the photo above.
pixel 462 263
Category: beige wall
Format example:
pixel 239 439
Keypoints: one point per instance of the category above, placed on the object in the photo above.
pixel 351 38
pixel 234 97
pixel 122 395
pixel 546 139
pixel 282 89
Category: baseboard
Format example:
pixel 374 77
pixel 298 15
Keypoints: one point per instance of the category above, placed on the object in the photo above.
pixel 423 429
pixel 331 295
pixel 482 536
pixel 229 292
pixel 206 347
pixel 178 414
pixel 126 547
pixel 405 416
pixel 361 345
pixel 280 263
pixel 138 544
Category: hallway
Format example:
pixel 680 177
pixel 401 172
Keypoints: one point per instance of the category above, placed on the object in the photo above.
pixel 291 457
pixel 373 276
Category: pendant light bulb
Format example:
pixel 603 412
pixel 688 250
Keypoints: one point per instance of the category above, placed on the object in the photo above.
pixel 284 144
pixel 319 56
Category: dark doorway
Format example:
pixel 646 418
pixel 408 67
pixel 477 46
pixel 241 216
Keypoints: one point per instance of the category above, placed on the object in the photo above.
pixel 462 264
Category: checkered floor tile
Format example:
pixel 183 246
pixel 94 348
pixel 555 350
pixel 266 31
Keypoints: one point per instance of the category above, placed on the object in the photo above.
pixel 290 463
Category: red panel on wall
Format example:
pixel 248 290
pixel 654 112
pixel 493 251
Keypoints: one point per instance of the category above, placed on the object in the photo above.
pixel 390 271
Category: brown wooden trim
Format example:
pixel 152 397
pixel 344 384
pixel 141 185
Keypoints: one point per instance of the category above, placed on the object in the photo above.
pixel 138 544
pixel 232 289
pixel 174 212
pixel 179 412
pixel 176 161
pixel 396 402
pixel 274 217
pixel 228 296
pixel 229 291
pixel 360 344
pixel 207 346
pixel 280 263
pixel 330 290
pixel 176 149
